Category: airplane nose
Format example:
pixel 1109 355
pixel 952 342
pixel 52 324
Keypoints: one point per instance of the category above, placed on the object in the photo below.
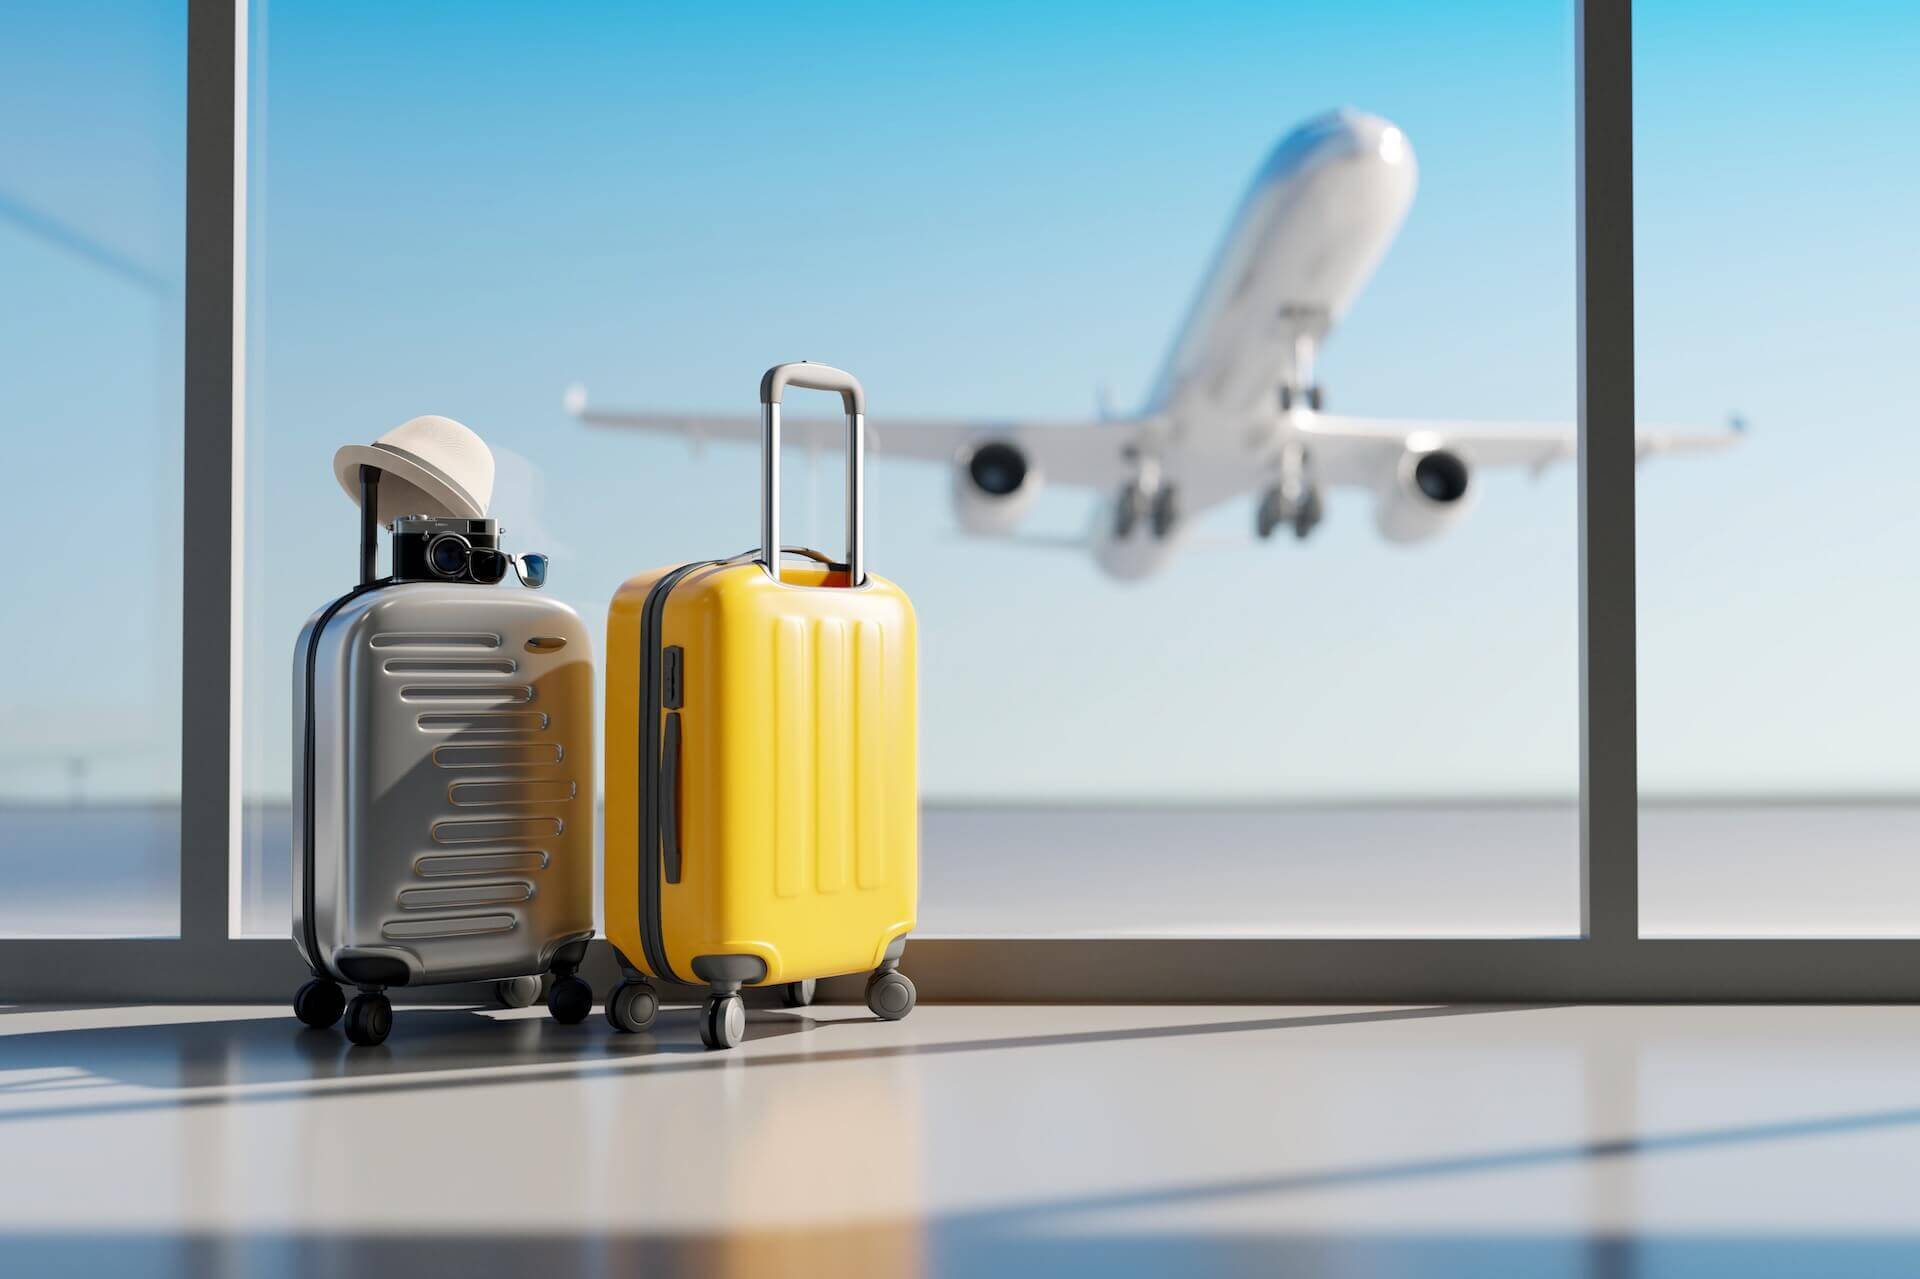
pixel 1356 135
pixel 1337 141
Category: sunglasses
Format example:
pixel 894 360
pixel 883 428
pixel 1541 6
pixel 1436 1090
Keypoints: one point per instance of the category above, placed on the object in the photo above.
pixel 453 557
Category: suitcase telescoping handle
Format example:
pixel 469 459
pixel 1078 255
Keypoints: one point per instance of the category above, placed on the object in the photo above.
pixel 369 521
pixel 817 377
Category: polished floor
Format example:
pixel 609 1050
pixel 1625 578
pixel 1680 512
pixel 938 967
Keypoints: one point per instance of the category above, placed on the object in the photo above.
pixel 1456 1141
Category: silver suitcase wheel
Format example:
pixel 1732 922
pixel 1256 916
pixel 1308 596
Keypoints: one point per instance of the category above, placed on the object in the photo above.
pixel 632 1007
pixel 570 1000
pixel 723 1021
pixel 369 1018
pixel 319 1003
pixel 517 992
pixel 798 994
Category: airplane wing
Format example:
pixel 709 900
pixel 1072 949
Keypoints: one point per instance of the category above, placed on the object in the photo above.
pixel 1345 451
pixel 1355 450
pixel 1073 453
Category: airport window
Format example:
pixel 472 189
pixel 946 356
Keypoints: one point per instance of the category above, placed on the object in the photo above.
pixel 92 179
pixel 1298 694
pixel 1777 600
pixel 1429 705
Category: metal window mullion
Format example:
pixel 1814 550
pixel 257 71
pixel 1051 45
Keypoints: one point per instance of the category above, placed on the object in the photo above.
pixel 1609 766
pixel 209 702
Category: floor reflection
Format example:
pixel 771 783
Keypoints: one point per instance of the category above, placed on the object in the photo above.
pixel 1603 1143
pixel 965 1248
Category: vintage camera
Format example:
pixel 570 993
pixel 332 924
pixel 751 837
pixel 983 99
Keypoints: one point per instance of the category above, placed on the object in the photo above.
pixel 438 548
pixel 442 548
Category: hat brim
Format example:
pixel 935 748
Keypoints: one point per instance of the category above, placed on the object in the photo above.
pixel 420 490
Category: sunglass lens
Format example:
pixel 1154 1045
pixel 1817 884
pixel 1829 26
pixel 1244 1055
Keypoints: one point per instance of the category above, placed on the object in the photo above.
pixel 487 566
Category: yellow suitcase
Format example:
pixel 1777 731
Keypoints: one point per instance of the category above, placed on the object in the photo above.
pixel 762 790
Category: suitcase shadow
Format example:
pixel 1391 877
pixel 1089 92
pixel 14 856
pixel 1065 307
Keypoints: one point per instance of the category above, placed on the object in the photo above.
pixel 241 1051
pixel 79 1071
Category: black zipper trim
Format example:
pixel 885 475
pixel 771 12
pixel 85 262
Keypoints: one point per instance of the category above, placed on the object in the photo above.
pixel 647 767
pixel 647 782
pixel 309 931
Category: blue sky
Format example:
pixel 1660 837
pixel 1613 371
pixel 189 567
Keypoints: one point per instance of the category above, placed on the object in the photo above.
pixel 463 209
pixel 92 181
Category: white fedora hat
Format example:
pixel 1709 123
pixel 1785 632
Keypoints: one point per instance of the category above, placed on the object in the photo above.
pixel 430 466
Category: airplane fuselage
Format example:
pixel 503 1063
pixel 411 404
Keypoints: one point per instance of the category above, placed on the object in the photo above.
pixel 1316 221
pixel 1309 233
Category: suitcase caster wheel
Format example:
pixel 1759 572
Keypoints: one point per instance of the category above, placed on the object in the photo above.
pixel 369 1019
pixel 798 994
pixel 632 1006
pixel 723 1022
pixel 570 1000
pixel 517 992
pixel 890 995
pixel 319 1003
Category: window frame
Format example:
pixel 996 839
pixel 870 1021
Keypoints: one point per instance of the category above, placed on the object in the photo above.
pixel 1608 961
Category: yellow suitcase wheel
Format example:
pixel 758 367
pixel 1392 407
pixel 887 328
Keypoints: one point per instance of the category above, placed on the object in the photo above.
pixel 632 1007
pixel 723 1021
pixel 890 995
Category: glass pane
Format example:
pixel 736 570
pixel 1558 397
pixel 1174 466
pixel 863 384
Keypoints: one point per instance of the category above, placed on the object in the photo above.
pixel 92 196
pixel 1337 735
pixel 1776 277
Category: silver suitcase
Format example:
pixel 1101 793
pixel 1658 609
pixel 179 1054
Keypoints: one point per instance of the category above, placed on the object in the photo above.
pixel 443 796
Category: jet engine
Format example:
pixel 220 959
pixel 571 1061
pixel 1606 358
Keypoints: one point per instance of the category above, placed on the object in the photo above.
pixel 994 485
pixel 1429 490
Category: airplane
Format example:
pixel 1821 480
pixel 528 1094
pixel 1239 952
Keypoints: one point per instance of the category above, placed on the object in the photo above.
pixel 1236 411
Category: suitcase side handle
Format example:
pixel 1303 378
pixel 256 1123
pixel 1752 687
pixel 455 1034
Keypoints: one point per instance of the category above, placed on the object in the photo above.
pixel 818 377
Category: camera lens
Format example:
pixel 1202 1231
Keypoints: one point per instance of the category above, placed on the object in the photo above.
pixel 447 555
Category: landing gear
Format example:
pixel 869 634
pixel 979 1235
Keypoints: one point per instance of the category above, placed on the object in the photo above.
pixel 517 992
pixel 1311 513
pixel 1313 397
pixel 1303 512
pixel 319 1003
pixel 369 1018
pixel 1165 512
pixel 632 1006
pixel 1270 514
pixel 723 1020
pixel 798 994
pixel 890 995
pixel 1128 510
pixel 1294 499
pixel 1156 505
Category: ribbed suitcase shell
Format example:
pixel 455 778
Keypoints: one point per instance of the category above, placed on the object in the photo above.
pixel 451 819
pixel 798 796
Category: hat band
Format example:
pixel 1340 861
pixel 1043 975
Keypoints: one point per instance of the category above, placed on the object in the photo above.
pixel 458 488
